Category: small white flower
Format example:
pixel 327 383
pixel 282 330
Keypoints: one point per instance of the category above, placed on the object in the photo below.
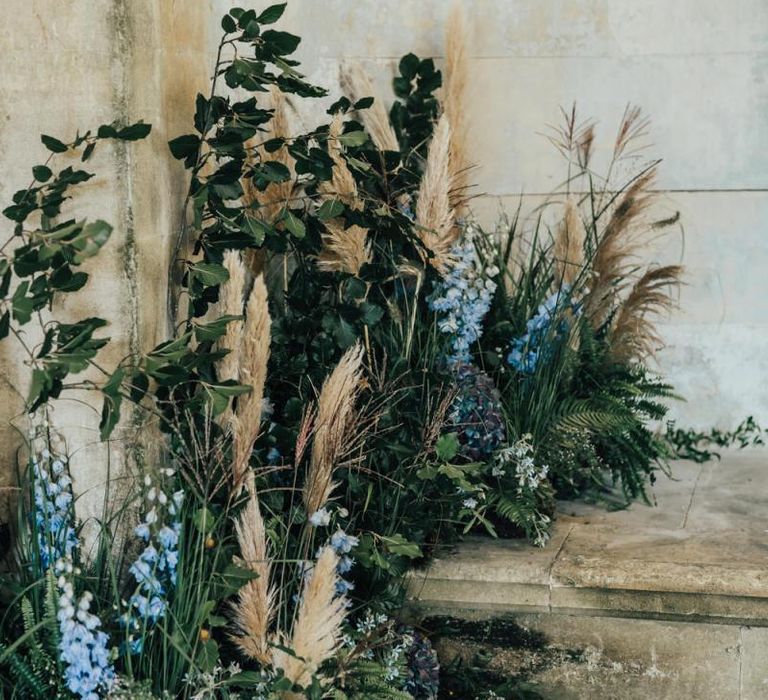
pixel 320 518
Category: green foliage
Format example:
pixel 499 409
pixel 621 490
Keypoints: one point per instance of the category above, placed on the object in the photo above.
pixel 368 680
pixel 45 259
pixel 696 445
pixel 404 482
pixel 417 108
pixel 413 115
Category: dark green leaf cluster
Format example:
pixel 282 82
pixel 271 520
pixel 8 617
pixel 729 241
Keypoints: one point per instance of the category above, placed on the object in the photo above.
pixel 45 260
pixel 417 108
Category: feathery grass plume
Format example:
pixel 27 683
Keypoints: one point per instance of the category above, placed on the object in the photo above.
pixel 334 426
pixel 633 128
pixel 344 249
pixel 356 84
pixel 634 335
pixel 255 607
pixel 317 630
pixel 342 184
pixel 231 304
pixel 617 245
pixel 268 205
pixel 568 247
pixel 306 430
pixel 434 215
pixel 573 139
pixel 454 104
pixel 253 355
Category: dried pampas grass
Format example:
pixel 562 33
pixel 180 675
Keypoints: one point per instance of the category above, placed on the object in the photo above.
pixel 434 214
pixel 334 427
pixel 632 131
pixel 568 247
pixel 617 246
pixel 342 184
pixel 345 249
pixel 255 607
pixel 633 335
pixel 455 104
pixel 231 304
pixel 268 204
pixel 356 85
pixel 317 630
pixel 253 356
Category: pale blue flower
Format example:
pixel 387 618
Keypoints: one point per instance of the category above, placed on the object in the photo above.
pixel 343 543
pixel 82 645
pixel 320 518
pixel 463 297
pixel 540 338
pixel 53 514
pixel 154 570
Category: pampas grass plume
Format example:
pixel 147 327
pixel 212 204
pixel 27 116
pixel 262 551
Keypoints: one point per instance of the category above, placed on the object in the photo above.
pixel 334 426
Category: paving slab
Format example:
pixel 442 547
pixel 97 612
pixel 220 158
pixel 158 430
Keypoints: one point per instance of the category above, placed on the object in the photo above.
pixel 700 553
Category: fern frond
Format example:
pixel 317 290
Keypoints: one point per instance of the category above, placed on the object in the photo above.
pixel 588 416
pixel 40 660
pixel 30 684
pixel 367 680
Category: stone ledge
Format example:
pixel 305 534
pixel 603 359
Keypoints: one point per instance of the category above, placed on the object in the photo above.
pixel 700 555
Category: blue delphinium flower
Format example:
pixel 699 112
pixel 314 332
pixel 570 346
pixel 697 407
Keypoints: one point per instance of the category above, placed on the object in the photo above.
pixel 463 297
pixel 343 544
pixel 54 503
pixel 540 338
pixel 154 570
pixel 83 646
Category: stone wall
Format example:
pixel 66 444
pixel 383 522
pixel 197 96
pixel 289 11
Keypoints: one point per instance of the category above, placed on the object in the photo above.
pixel 75 64
pixel 697 69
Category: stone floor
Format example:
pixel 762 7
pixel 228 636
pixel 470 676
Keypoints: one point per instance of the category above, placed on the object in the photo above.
pixel 670 599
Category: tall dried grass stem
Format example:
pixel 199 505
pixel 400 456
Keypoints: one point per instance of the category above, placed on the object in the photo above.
pixel 253 355
pixel 356 84
pixel 334 426
pixel 434 214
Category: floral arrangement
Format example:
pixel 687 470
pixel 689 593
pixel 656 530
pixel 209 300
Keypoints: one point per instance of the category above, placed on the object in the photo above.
pixel 359 373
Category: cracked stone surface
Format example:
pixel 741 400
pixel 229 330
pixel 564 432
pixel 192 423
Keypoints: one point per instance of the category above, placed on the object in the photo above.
pixel 664 601
pixel 701 552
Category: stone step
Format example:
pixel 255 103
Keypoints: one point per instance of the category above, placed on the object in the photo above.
pixel 669 601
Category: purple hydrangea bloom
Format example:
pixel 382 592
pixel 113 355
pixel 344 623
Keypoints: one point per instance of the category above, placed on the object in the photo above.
pixel 476 414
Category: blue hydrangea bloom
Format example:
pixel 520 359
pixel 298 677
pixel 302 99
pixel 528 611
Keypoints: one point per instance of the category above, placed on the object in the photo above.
pixel 476 413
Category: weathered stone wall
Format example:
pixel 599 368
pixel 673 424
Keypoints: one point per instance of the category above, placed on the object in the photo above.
pixel 73 65
pixel 698 69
